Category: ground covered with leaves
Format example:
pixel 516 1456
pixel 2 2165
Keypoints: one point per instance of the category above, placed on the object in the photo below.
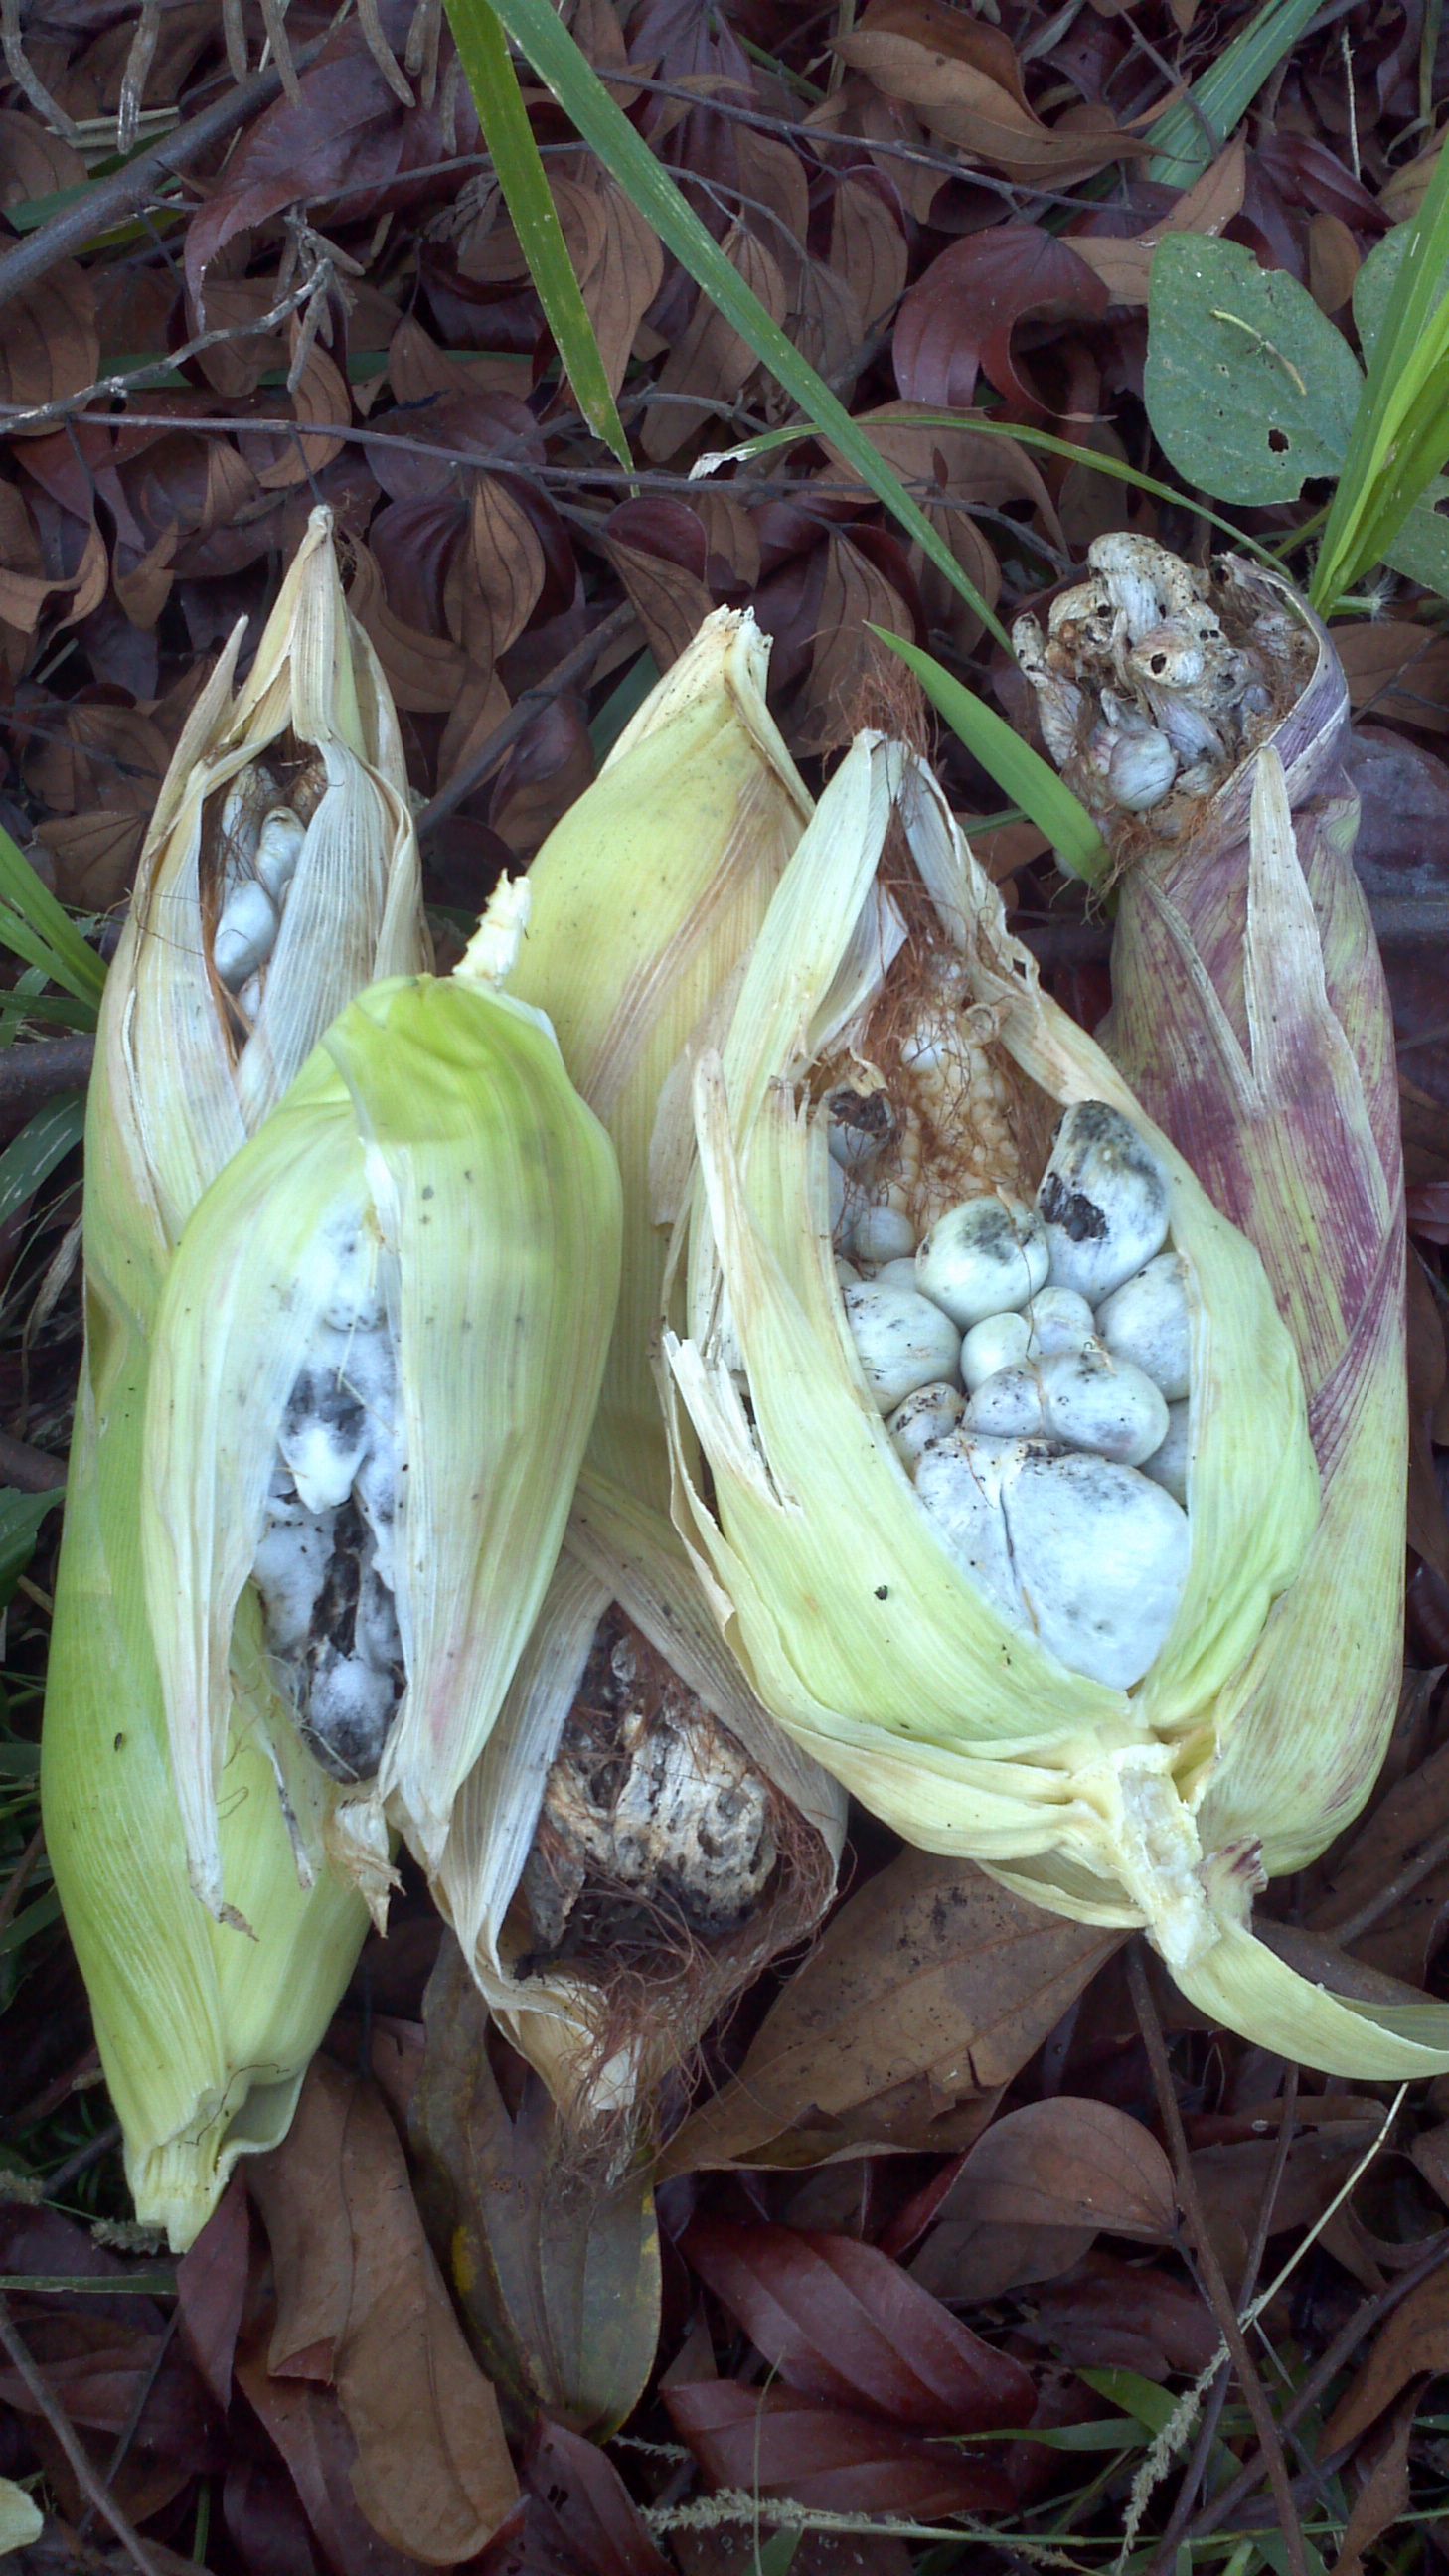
pixel 975 2245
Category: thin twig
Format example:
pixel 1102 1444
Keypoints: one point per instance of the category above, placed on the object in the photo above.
pixel 112 388
pixel 1384 1899
pixel 1196 2470
pixel 1254 2394
pixel 96 2494
pixel 1373 2313
pixel 573 667
pixel 111 200
pixel 21 1875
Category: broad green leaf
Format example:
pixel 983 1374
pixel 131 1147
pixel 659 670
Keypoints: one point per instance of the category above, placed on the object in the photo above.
pixel 40 930
pixel 1249 387
pixel 537 30
pixel 1019 770
pixel 520 172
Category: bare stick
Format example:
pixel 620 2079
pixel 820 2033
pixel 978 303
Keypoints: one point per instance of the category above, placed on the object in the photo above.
pixel 564 674
pixel 111 200
pixel 99 2497
pixel 1221 2296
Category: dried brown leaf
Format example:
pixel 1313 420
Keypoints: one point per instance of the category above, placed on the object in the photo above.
pixel 926 1994
pixel 1397 671
pixel 236 366
pixel 1067 2163
pixel 1411 2344
pixel 321 395
pixel 34 161
pixel 426 673
pixel 618 259
pixel 1334 261
pixel 1383 2498
pixel 710 365
pixel 557 2270
pixel 1125 266
pixel 548 768
pixel 963 79
pixel 867 249
pixel 842 2321
pixel 51 344
pixel 958 318
pixel 854 595
pixel 778 2442
pixel 361 2302
pixel 504 572
pixel 658 549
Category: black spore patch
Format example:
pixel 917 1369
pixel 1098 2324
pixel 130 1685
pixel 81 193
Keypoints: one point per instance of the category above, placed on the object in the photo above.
pixel 1079 1217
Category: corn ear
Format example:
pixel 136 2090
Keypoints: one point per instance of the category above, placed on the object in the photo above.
pixel 204 2036
pixel 646 900
pixel 434 1135
pixel 1250 1013
pixel 850 1618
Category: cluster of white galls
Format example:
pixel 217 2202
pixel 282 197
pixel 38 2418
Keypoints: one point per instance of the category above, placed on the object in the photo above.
pixel 1145 702
pixel 325 1569
pixel 261 842
pixel 1033 1366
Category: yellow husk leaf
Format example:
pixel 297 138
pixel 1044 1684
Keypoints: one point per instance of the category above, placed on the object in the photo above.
pixel 646 901
pixel 437 1118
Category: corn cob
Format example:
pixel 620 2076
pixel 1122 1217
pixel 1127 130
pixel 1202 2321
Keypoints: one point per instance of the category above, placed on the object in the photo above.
pixel 719 1846
pixel 987 1615
pixel 1251 1016
pixel 376 1361
pixel 293 787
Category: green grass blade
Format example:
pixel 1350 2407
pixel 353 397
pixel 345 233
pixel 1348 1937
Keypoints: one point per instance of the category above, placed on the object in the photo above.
pixel 43 1142
pixel 1018 770
pixel 1188 135
pixel 1115 467
pixel 1400 439
pixel 538 32
pixel 509 137
pixel 41 931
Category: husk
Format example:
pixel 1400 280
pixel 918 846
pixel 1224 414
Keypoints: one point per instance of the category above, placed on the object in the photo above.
pixel 204 2034
pixel 847 1615
pixel 646 900
pixel 1251 1015
pixel 442 1108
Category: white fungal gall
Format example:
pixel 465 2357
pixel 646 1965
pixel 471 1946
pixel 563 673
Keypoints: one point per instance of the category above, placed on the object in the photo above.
pixel 985 1257
pixel 1082 1398
pixel 899 1274
pixel 1141 769
pixel 245 933
pixel 881 1233
pixel 959 1483
pixel 1101 1554
pixel 1059 1320
pixel 1104 1199
pixel 862 1124
pixel 340 1403
pixel 930 1414
pixel 997 1342
pixel 1169 1462
pixel 903 1341
pixel 279 847
pixel 1147 1321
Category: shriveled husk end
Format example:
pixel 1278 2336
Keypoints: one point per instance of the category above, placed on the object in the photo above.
pixel 628 1747
pixel 432 1195
pixel 1251 1017
pixel 850 1618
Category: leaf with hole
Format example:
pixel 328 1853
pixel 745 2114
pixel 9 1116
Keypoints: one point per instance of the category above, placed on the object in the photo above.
pixel 1249 387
